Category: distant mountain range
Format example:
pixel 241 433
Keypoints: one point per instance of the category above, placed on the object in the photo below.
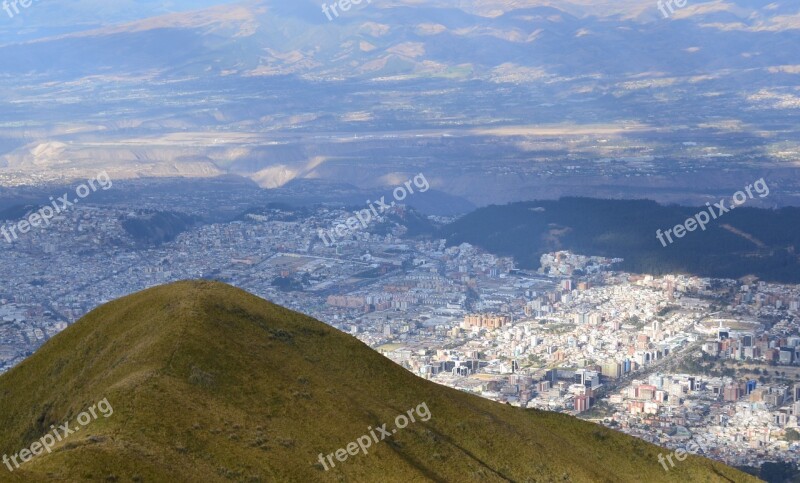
pixel 495 40
pixel 496 101
pixel 209 383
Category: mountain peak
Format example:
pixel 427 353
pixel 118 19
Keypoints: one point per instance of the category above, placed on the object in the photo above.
pixel 210 383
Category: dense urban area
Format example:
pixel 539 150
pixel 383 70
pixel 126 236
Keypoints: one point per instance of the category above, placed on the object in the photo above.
pixel 681 361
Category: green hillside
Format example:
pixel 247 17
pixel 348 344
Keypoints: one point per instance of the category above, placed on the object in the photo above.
pixel 209 383
pixel 745 241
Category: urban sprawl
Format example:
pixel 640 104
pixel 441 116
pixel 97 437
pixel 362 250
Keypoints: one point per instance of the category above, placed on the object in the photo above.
pixel 680 361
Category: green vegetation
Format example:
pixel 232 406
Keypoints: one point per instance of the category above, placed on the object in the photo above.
pixel 780 472
pixel 559 328
pixel 156 227
pixel 209 383
pixel 536 360
pixel 599 411
pixel 627 229
pixel 667 310
pixel 291 283
pixel 635 321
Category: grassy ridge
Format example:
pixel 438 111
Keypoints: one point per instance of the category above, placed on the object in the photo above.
pixel 210 383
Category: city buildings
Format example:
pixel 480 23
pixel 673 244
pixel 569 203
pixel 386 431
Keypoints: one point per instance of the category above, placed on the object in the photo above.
pixel 673 359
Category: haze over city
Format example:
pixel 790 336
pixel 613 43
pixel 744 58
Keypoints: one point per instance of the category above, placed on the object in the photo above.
pixel 504 240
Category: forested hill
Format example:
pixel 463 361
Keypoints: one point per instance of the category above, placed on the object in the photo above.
pixel 741 242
